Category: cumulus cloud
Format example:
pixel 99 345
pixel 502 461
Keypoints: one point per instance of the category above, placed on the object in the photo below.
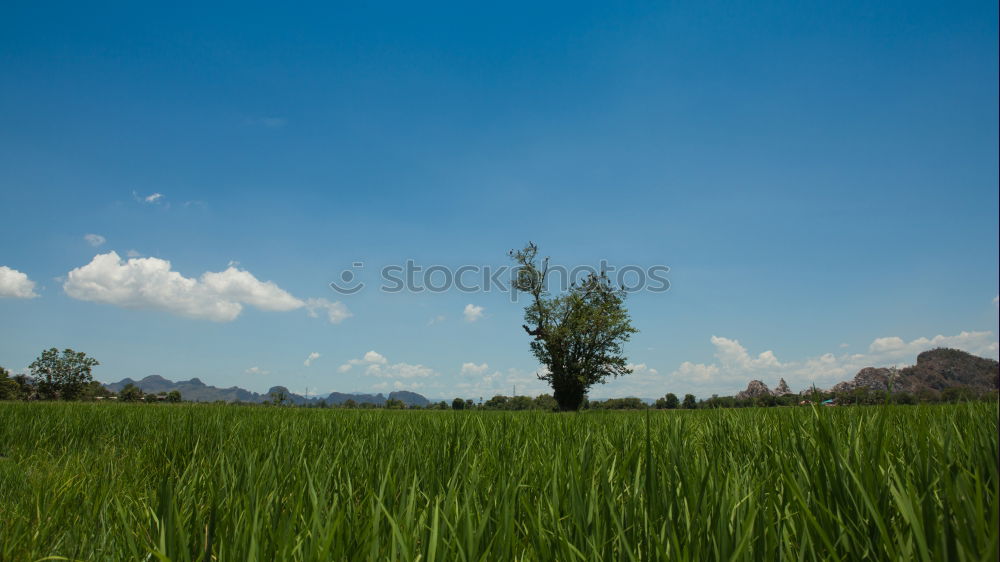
pixel 979 343
pixel 472 312
pixel 480 382
pixel 375 364
pixel 734 356
pixel 309 360
pixel 369 358
pixel 16 285
pixel 336 312
pixel 151 283
pixel 641 368
pixel 95 240
pixel 473 369
pixel 153 197
pixel 696 371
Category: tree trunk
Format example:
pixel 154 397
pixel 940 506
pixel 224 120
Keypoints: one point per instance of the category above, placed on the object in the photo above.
pixel 568 392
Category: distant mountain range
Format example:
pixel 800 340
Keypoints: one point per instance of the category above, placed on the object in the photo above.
pixel 196 391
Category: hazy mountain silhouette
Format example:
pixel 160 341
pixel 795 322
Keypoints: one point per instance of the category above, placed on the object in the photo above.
pixel 196 391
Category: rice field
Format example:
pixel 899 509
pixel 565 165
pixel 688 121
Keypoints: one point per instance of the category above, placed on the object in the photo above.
pixel 208 482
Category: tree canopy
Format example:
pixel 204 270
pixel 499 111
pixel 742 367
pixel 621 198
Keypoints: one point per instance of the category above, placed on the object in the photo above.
pixel 63 375
pixel 578 336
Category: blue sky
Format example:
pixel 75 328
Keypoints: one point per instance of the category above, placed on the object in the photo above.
pixel 821 180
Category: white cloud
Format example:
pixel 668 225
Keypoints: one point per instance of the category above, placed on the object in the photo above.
pixel 398 371
pixel 638 383
pixel 153 198
pixel 369 358
pixel 436 320
pixel 95 240
pixel 14 284
pixel 336 312
pixel 978 343
pixel 377 365
pixel 641 368
pixel 473 369
pixel 696 371
pixel 734 356
pixel 309 360
pixel 887 345
pixel 133 254
pixel 241 286
pixel 375 357
pixel 256 371
pixel 150 283
pixel 487 385
pixel 472 312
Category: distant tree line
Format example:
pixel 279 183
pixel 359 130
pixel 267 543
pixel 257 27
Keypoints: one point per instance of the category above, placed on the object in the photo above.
pixel 67 375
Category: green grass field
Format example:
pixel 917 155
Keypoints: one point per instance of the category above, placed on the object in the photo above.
pixel 201 482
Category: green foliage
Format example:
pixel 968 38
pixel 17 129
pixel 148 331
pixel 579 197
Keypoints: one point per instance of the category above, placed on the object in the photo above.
pixel 394 404
pixel 94 390
pixel 512 403
pixel 279 397
pixel 579 335
pixel 458 404
pixel 174 396
pixel 618 404
pixel 131 393
pixel 63 375
pixel 545 402
pixel 668 402
pixel 689 402
pixel 8 387
pixel 89 481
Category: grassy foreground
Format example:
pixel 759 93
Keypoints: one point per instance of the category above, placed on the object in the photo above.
pixel 203 482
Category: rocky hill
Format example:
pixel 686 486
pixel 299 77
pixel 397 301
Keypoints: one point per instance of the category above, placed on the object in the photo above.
pixel 937 369
pixel 754 390
pixel 943 368
pixel 196 391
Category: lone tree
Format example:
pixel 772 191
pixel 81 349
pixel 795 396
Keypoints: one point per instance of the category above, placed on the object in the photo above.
pixel 689 402
pixel 668 402
pixel 130 393
pixel 578 336
pixel 62 376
